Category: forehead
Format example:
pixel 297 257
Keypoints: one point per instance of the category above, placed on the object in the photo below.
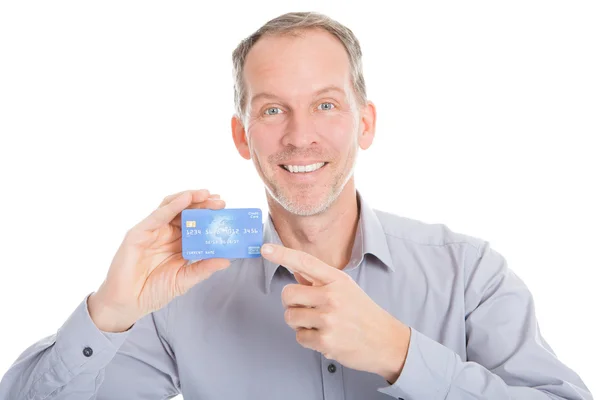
pixel 295 66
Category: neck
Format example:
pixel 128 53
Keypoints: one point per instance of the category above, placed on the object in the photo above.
pixel 328 236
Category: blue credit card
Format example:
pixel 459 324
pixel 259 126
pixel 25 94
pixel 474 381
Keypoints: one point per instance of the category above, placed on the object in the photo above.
pixel 226 233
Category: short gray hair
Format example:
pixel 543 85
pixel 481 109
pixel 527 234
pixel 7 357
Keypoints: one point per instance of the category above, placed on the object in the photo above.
pixel 290 24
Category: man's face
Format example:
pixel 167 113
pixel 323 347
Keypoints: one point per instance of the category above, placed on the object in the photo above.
pixel 301 115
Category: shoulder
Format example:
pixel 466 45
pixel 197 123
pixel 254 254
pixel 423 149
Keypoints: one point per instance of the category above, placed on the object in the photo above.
pixel 438 247
pixel 444 254
pixel 424 234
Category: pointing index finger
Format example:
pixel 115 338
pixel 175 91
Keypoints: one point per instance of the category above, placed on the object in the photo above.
pixel 304 263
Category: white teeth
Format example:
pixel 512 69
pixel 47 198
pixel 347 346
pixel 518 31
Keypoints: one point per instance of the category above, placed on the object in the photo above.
pixel 303 168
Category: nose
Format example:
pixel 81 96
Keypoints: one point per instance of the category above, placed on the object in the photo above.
pixel 301 130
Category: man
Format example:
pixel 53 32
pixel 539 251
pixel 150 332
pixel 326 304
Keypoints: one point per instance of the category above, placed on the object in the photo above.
pixel 346 302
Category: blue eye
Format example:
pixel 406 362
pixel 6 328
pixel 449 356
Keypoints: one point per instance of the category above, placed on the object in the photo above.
pixel 329 106
pixel 272 111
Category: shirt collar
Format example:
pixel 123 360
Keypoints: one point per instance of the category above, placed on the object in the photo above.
pixel 370 239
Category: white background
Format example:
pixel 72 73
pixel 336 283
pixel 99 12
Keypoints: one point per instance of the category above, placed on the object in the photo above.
pixel 488 121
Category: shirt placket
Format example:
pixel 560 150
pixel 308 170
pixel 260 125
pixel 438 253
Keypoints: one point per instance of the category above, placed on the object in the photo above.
pixel 333 380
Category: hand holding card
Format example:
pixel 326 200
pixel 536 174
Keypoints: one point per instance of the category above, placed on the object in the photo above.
pixel 148 270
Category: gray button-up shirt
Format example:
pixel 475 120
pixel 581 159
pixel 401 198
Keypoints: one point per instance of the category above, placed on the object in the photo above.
pixel 474 333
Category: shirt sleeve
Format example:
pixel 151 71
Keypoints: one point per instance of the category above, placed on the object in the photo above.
pixel 507 357
pixel 81 362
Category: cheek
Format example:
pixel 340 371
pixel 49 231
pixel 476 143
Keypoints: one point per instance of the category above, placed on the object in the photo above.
pixel 261 140
pixel 338 130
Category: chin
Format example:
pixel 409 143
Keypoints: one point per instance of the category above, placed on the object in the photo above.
pixel 305 209
pixel 305 198
pixel 306 201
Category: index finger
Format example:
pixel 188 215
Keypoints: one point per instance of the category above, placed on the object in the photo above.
pixel 304 263
pixel 197 196
pixel 165 214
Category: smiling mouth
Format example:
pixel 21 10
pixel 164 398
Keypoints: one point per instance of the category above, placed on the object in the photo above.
pixel 303 169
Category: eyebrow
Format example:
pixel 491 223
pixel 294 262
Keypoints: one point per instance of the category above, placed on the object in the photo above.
pixel 268 95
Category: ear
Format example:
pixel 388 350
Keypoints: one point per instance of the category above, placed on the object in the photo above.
pixel 368 118
pixel 238 133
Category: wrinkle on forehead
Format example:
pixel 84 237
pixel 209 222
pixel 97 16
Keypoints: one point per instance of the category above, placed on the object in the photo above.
pixel 292 67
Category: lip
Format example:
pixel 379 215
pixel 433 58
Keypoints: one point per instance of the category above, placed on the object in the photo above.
pixel 303 176
pixel 302 162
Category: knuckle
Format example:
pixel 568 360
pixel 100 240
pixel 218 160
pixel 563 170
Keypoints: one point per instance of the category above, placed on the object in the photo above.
pixel 286 294
pixel 287 315
pixel 130 232
pixel 132 235
pixel 323 340
pixel 332 299
pixel 137 236
pixel 300 336
pixel 305 259
pixel 167 199
pixel 327 319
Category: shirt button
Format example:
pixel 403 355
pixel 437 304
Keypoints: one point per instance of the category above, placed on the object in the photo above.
pixel 331 368
pixel 88 351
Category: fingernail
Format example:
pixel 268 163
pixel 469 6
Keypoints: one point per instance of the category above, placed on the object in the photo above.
pixel 214 197
pixel 266 249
